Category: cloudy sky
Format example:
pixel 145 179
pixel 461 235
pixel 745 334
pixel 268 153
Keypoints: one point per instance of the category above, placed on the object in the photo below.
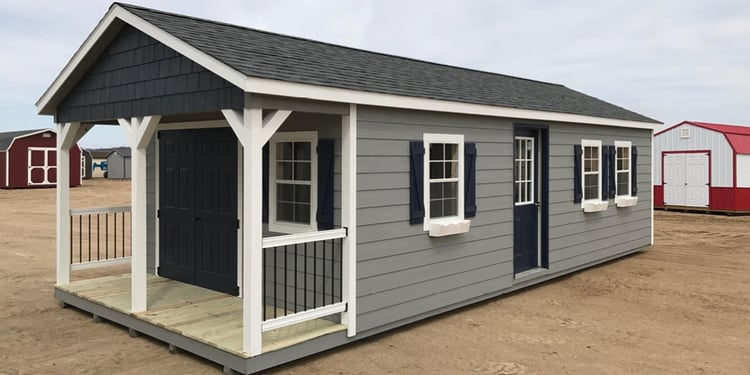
pixel 671 60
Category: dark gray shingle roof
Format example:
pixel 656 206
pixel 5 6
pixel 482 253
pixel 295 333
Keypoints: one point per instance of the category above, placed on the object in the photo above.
pixel 7 137
pixel 268 55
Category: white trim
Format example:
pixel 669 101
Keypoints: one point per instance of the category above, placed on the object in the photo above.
pixel 99 210
pixel 307 91
pixel 45 167
pixel 532 173
pixel 349 218
pixel 157 198
pixel 65 134
pixel 297 238
pixel 240 205
pixel 591 143
pixel 275 225
pixel 7 167
pixel 629 146
pixel 99 263
pixel 653 158
pixel 303 316
pixel 272 122
pixel 193 125
pixel 428 139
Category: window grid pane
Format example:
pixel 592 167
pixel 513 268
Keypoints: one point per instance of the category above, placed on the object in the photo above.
pixel 591 172
pixel 293 176
pixel 523 172
pixel 623 170
pixel 443 179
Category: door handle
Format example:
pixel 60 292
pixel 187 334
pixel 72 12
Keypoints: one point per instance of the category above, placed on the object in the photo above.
pixel 197 219
pixel 538 204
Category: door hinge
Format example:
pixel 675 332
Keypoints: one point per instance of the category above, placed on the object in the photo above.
pixel 237 290
pixel 158 214
pixel 238 223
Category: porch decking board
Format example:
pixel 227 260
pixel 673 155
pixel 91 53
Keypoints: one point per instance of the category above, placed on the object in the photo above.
pixel 200 314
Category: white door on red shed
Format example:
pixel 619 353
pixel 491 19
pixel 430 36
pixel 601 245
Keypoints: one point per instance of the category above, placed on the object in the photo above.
pixel 686 179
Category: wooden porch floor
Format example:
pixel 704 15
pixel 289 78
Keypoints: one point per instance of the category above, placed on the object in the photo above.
pixel 204 315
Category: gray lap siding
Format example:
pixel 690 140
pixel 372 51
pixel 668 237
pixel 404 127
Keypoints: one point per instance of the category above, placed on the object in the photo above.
pixel 403 273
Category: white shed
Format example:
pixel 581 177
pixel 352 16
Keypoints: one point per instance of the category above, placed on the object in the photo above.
pixel 702 166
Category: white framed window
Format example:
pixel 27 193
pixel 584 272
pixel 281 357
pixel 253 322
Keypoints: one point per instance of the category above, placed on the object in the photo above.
pixel 444 182
pixel 622 168
pixel 523 171
pixel 293 175
pixel 592 170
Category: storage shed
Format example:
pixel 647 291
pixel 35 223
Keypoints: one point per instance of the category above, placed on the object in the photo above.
pixel 87 164
pixel 118 163
pixel 704 166
pixel 28 158
pixel 99 161
pixel 290 196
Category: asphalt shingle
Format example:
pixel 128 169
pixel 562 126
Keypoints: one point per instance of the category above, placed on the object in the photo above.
pixel 262 54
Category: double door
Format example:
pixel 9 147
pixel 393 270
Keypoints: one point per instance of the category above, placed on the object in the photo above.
pixel 198 208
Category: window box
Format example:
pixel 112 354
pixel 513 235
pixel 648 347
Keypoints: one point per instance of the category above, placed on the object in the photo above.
pixel 595 206
pixel 448 226
pixel 626 201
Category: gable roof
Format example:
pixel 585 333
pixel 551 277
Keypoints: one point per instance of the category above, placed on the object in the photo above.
pixel 122 151
pixel 737 136
pixel 257 61
pixel 6 138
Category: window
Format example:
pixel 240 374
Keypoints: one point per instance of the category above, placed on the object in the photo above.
pixel 444 177
pixel 523 172
pixel 622 168
pixel 592 156
pixel 293 182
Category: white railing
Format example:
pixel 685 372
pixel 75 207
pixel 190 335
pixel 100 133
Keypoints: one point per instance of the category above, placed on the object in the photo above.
pixel 302 277
pixel 99 237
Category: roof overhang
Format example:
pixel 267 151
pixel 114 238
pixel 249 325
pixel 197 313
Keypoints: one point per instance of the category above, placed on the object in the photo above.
pixel 117 15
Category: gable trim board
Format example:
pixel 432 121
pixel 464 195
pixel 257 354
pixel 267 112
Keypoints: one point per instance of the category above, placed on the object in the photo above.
pixel 107 27
pixel 725 146
pixel 396 273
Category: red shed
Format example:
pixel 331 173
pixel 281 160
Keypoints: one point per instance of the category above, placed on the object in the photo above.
pixel 703 166
pixel 28 159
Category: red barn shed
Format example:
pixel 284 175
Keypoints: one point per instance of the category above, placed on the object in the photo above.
pixel 28 159
pixel 703 166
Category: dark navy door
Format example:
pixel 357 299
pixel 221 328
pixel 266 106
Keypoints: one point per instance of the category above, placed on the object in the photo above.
pixel 526 199
pixel 198 207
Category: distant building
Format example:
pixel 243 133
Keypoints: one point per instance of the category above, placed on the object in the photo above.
pixel 28 158
pixel 118 163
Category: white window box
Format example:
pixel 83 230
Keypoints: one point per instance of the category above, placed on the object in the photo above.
pixel 595 206
pixel 626 201
pixel 448 226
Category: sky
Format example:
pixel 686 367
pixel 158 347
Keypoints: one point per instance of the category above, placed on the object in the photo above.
pixel 671 60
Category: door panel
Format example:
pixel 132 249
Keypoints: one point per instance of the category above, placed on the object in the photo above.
pixel 696 180
pixel 526 201
pixel 674 179
pixel 198 203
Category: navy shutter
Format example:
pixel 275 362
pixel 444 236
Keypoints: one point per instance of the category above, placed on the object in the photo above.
pixel 416 182
pixel 612 171
pixel 324 215
pixel 265 182
pixel 577 188
pixel 634 171
pixel 470 184
pixel 605 172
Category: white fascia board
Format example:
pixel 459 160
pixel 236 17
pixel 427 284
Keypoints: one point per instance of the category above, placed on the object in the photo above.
pixel 118 12
pixel 306 91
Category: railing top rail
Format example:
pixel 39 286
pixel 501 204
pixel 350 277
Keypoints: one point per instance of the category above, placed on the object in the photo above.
pixel 99 210
pixel 292 239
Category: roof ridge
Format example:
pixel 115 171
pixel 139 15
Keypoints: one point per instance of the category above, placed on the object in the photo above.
pixel 742 129
pixel 126 6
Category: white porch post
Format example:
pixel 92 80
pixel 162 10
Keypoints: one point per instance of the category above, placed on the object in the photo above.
pixel 349 218
pixel 139 132
pixel 248 125
pixel 67 135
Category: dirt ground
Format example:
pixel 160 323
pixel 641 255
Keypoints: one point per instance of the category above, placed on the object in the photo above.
pixel 682 307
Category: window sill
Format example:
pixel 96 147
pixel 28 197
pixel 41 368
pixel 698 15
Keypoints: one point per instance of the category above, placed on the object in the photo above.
pixel 626 201
pixel 594 206
pixel 449 226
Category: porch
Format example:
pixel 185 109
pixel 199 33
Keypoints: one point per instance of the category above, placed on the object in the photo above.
pixel 204 316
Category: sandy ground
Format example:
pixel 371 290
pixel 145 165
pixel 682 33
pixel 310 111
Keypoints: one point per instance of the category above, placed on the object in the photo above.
pixel 682 307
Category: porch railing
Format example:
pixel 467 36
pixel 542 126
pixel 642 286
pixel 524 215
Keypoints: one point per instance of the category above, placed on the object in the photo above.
pixel 99 237
pixel 302 277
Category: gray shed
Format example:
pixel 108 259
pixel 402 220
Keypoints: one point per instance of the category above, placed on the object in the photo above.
pixel 291 196
pixel 118 163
